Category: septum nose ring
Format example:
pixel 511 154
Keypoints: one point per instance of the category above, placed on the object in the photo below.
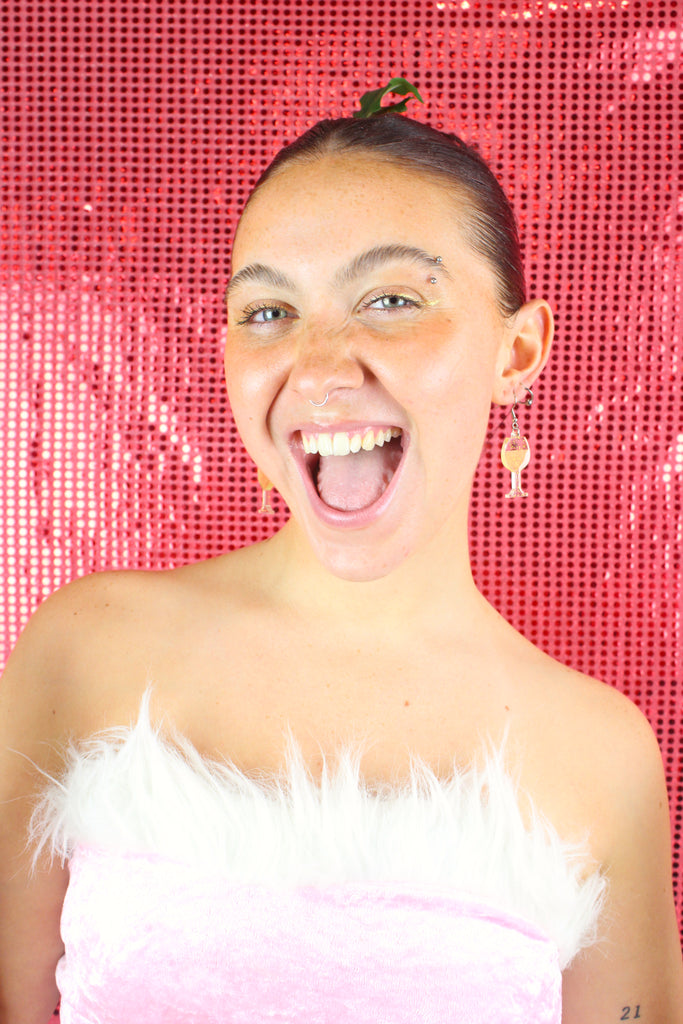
pixel 319 405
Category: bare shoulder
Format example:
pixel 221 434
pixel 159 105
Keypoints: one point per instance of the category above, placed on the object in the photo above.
pixel 604 776
pixel 91 650
pixel 621 755
pixel 605 729
pixel 75 669
pixel 43 702
pixel 87 654
pixel 592 758
pixel 636 965
pixel 46 689
pixel 612 739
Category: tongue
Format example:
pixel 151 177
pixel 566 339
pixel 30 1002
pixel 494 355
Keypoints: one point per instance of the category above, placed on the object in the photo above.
pixel 352 482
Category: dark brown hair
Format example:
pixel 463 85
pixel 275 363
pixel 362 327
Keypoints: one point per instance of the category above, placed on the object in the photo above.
pixel 490 227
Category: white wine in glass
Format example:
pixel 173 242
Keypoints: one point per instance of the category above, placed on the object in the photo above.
pixel 515 455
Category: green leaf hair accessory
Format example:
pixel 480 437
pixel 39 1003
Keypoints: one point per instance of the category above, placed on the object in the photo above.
pixel 371 102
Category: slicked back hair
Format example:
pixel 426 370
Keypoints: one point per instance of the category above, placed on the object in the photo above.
pixel 490 226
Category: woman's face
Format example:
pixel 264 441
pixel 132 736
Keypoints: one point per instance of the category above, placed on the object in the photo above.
pixel 352 279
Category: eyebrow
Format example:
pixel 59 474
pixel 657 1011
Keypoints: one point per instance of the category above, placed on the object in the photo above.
pixel 382 254
pixel 359 265
pixel 260 272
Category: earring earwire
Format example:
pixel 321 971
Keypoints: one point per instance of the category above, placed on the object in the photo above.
pixel 528 402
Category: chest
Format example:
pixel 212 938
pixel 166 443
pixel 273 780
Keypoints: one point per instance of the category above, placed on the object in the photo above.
pixel 392 703
pixel 238 687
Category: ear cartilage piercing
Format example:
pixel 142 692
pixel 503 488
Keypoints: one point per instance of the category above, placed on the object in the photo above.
pixel 319 405
pixel 432 280
pixel 437 259
pixel 516 453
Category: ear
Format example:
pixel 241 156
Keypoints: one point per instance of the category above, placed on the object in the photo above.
pixel 524 350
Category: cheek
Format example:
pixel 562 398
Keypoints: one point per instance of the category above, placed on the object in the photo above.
pixel 449 360
pixel 244 383
pixel 247 374
pixel 455 376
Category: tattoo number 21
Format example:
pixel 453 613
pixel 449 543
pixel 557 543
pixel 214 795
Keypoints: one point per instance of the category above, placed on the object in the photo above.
pixel 627 1015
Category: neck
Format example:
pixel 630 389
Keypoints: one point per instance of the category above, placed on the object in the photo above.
pixel 430 589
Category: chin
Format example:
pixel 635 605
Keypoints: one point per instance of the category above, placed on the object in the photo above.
pixel 360 574
pixel 359 564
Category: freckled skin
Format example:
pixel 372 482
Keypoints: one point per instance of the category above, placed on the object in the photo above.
pixel 430 371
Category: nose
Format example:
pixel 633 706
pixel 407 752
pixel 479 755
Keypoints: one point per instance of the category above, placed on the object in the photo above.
pixel 325 362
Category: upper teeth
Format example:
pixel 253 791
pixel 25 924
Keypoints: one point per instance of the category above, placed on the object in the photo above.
pixel 344 443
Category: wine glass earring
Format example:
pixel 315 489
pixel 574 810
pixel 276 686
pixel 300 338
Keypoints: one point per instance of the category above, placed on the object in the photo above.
pixel 516 453
pixel 266 486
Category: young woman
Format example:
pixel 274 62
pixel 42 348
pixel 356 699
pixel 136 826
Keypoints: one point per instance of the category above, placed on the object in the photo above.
pixel 363 796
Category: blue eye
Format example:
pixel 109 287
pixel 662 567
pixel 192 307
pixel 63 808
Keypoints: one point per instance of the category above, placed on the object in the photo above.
pixel 391 301
pixel 263 315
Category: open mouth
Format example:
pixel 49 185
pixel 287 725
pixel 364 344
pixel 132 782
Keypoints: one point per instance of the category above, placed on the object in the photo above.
pixel 351 470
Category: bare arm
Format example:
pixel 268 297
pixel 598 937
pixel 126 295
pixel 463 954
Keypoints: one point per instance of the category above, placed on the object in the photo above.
pixel 635 971
pixel 33 720
pixel 63 682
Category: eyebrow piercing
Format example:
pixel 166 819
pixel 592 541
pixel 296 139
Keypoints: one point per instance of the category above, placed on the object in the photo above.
pixel 319 405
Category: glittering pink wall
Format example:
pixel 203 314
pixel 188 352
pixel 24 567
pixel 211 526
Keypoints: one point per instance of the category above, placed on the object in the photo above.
pixel 131 134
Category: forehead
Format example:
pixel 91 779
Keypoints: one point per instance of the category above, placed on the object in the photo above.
pixel 340 203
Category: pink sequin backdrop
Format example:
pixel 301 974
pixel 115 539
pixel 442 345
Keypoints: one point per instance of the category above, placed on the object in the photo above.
pixel 131 133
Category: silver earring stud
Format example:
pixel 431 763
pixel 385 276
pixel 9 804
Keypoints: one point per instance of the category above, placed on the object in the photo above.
pixel 319 405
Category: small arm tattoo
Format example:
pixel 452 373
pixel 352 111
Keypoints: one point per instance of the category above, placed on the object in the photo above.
pixel 631 1013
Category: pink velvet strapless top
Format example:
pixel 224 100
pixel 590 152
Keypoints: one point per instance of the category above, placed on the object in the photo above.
pixel 198 894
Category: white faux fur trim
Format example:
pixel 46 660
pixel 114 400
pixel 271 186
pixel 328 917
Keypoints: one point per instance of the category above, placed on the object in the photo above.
pixel 134 790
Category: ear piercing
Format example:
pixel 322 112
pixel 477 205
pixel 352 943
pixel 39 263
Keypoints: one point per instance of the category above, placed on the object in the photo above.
pixel 516 453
